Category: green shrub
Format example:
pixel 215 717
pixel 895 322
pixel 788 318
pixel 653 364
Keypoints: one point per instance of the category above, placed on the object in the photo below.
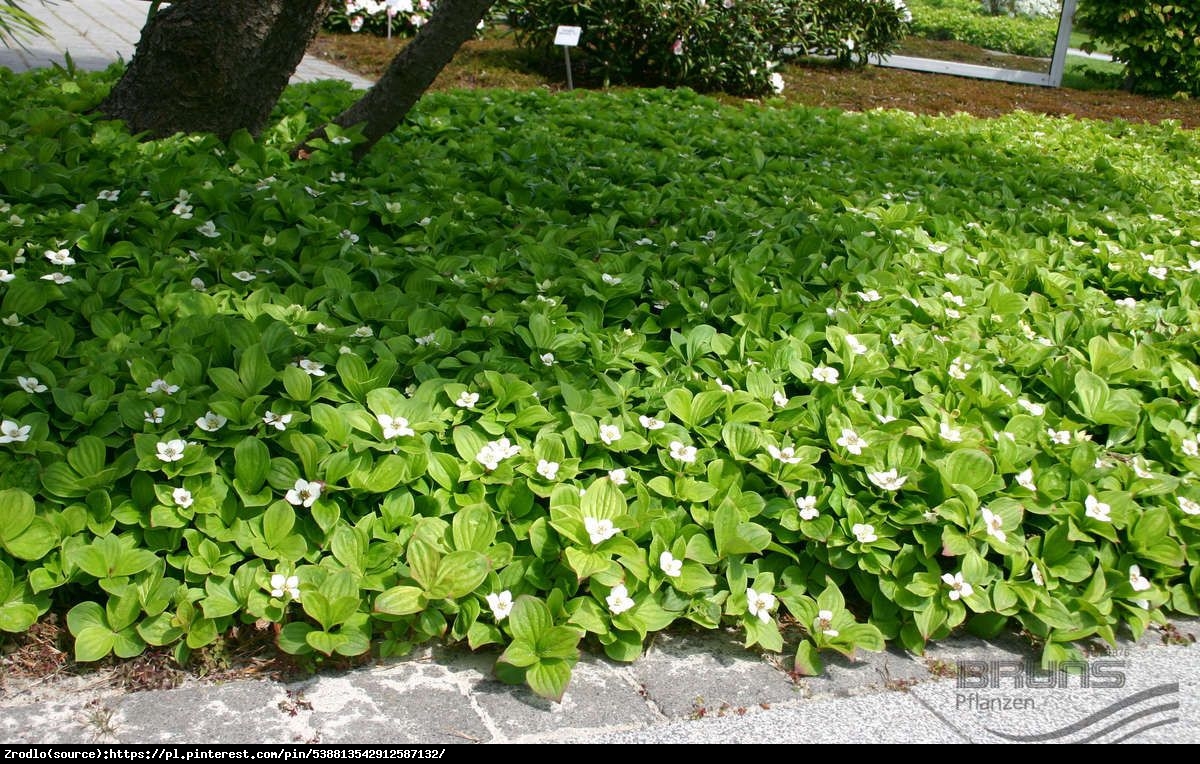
pixel 404 17
pixel 966 21
pixel 1159 43
pixel 730 46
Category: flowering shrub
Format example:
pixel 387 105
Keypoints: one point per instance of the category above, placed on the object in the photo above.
pixel 1159 43
pixel 1030 8
pixel 966 21
pixel 402 17
pixel 729 45
pixel 828 379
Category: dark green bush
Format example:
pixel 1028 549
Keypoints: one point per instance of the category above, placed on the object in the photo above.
pixel 1159 43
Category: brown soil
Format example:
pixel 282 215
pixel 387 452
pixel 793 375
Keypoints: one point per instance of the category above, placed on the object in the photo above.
pixel 496 62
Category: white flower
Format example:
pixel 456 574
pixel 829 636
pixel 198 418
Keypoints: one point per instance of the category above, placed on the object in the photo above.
pixel 958 587
pixel 278 421
pixel 281 584
pixel 548 470
pixel 184 211
pixel 953 298
pixel 547 359
pixel 6 277
pixel 1126 302
pixel 1036 409
pixel 1136 580
pixel 609 434
pixel 1140 468
pixel 501 604
pixel 786 455
pixel 428 339
pixel 198 284
pixel 864 533
pixel 394 427
pixel 60 257
pixel 337 177
pixel 618 476
pixel 466 400
pixel 683 453
pixel 952 313
pixel 856 347
pixel 669 565
pixel 1157 271
pixel 14 432
pixel 243 276
pixel 209 229
pixel 950 434
pixel 1096 509
pixel 1025 480
pixel 618 600
pixel 31 385
pixel 162 386
pixel 363 332
pixel 857 395
pixel 211 422
pixel 779 398
pixel 1061 437
pixel 1190 447
pixel 826 374
pixel 108 195
pixel 824 619
pixel 304 492
pixel 154 415
pixel 723 386
pixel 869 295
pixel 310 367
pixel 1194 384
pixel 608 278
pixel 58 278
pixel 760 604
pixel 994 524
pixel 851 441
pixel 599 530
pixel 807 506
pixel 182 497
pixel 650 423
pixel 493 452
pixel 958 369
pixel 11 320
pixel 1188 506
pixel 888 481
pixel 885 418
pixel 170 450
pixel 1036 574
pixel 777 83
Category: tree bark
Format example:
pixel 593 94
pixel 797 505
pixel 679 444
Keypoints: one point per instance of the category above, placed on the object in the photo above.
pixel 213 65
pixel 413 70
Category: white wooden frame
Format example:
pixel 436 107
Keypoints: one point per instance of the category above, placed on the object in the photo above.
pixel 1053 78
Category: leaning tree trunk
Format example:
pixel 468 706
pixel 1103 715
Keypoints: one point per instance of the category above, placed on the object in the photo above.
pixel 213 65
pixel 413 70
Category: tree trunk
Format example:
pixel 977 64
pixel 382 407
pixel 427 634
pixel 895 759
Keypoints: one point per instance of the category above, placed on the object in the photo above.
pixel 413 70
pixel 213 65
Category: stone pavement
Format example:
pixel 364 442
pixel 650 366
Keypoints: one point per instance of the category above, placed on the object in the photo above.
pixel 98 32
pixel 694 687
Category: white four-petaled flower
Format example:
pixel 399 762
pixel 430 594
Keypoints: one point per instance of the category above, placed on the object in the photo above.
pixel 60 257
pixel 211 422
pixel 1061 437
pixel 779 398
pixel 501 604
pixel 394 427
pixel 548 470
pixel 851 441
pixel 278 421
pixel 669 565
pixel 547 359
pixel 856 347
pixel 289 584
pixel 619 600
pixel 162 386
pixel 826 374
pixel 891 480
pixel 650 423
pixel 686 454
pixel 618 476
pixel 760 604
pixel 950 434
pixel 1025 479
pixel 304 493
pixel 154 415
pixel 182 497
pixel 786 455
pixel 1096 509
pixel 170 450
pixel 243 275
pixel 1188 506
pixel 599 530
pixel 495 451
pixel 58 278
pixel 824 620
pixel 1036 409
pixel 807 506
pixel 14 432
pixel 208 229
pixel 31 385
pixel 958 587
pixel 609 434
pixel 1136 580
pixel 466 400
pixel 994 524
pixel 864 533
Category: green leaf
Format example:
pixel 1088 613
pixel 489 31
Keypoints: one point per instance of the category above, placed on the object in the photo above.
pixel 278 522
pixel 251 464
pixel 521 653
pixel 293 638
pixel 423 559
pixel 458 574
pixel 968 467
pixel 808 660
pixel 734 537
pixel 93 643
pixel 474 528
pixel 22 533
pixel 603 501
pixel 400 600
pixel 529 619
pixel 558 642
pixel 550 678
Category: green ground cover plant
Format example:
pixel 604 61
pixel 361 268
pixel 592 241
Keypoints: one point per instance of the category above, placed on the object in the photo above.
pixel 966 21
pixel 550 372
